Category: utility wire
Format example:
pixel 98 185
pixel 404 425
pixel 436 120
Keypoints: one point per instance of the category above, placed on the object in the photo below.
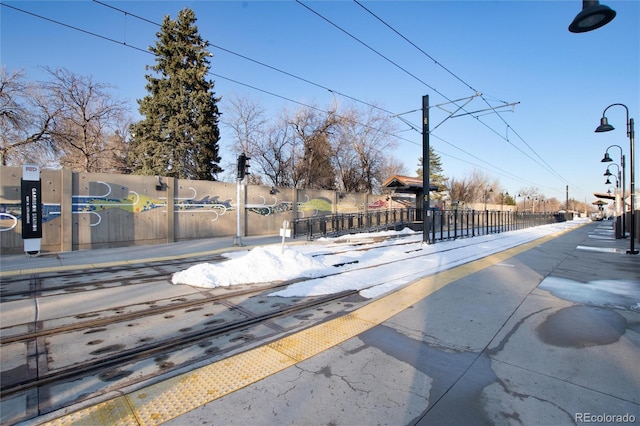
pixel 73 27
pixel 322 86
pixel 551 169
pixel 429 86
pixel 93 34
pixel 252 60
pixel 127 13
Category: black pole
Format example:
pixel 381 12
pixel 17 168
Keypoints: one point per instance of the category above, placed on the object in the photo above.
pixel 632 226
pixel 605 127
pixel 426 212
pixel 624 204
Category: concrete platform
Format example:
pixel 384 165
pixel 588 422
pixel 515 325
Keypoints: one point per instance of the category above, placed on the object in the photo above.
pixel 493 347
pixel 547 333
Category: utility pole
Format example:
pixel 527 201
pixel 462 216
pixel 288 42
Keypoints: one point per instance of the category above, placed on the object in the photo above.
pixel 426 160
pixel 426 171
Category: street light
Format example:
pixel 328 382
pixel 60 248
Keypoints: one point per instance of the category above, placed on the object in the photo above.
pixel 593 16
pixel 485 195
pixel 605 127
pixel 607 159
pixel 608 174
pixel 502 199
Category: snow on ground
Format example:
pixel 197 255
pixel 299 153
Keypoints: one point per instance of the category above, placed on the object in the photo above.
pixel 373 272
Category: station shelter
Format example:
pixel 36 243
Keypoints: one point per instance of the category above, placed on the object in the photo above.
pixel 398 184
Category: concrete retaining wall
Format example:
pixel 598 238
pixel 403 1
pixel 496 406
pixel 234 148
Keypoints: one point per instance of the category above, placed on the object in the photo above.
pixel 89 210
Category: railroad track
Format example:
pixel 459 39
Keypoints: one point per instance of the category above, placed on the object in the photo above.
pixel 216 321
pixel 48 283
pixel 96 366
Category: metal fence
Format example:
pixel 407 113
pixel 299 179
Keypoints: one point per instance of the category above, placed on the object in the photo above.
pixel 452 224
pixel 442 224
pixel 346 223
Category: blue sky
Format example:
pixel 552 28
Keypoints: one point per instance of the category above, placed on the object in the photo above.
pixel 510 51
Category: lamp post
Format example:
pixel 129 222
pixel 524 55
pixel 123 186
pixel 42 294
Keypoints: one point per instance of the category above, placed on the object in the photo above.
pixel 502 199
pixel 593 16
pixel 485 195
pixel 608 174
pixel 606 127
pixel 616 201
pixel 607 159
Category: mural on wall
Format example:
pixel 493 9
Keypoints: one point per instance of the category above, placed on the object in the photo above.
pixel 188 202
pixel 9 217
pixel 378 204
pixel 11 214
pixel 94 204
pixel 81 204
pixel 314 207
pixel 108 196
pixel 206 204
pixel 265 209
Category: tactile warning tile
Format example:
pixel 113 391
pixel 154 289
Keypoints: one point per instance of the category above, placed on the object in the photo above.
pixel 171 398
pixel 316 339
pixel 114 412
pixel 166 400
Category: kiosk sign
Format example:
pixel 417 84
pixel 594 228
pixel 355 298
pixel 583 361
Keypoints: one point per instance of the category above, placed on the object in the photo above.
pixel 31 193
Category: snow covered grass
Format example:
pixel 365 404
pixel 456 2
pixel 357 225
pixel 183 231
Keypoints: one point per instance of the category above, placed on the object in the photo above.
pixel 338 264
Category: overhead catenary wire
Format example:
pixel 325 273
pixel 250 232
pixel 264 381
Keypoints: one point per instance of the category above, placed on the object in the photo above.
pixel 251 60
pixel 549 168
pixel 544 164
pixel 123 43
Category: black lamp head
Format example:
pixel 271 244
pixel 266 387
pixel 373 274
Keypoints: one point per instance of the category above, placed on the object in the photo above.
pixel 593 16
pixel 606 158
pixel 608 182
pixel 604 126
pixel 607 173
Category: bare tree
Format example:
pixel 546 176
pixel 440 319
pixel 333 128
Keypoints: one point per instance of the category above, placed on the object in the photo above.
pixel 312 129
pixel 275 157
pixel 528 197
pixel 460 190
pixel 363 148
pixel 88 127
pixel 268 145
pixel 247 121
pixel 25 121
pixel 311 148
pixel 391 166
pixel 476 187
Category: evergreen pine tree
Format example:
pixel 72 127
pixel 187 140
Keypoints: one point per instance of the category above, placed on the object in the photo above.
pixel 436 176
pixel 179 135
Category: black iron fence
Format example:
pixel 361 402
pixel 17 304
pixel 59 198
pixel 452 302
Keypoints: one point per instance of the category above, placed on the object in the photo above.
pixel 452 224
pixel 442 224
pixel 346 223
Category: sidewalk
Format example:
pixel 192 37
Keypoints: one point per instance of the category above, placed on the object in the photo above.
pixel 547 337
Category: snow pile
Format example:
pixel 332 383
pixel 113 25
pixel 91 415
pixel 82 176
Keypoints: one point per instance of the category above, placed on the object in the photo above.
pixel 261 264
pixel 363 262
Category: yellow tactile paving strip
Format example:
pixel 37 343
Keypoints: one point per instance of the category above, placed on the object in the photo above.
pixel 173 397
